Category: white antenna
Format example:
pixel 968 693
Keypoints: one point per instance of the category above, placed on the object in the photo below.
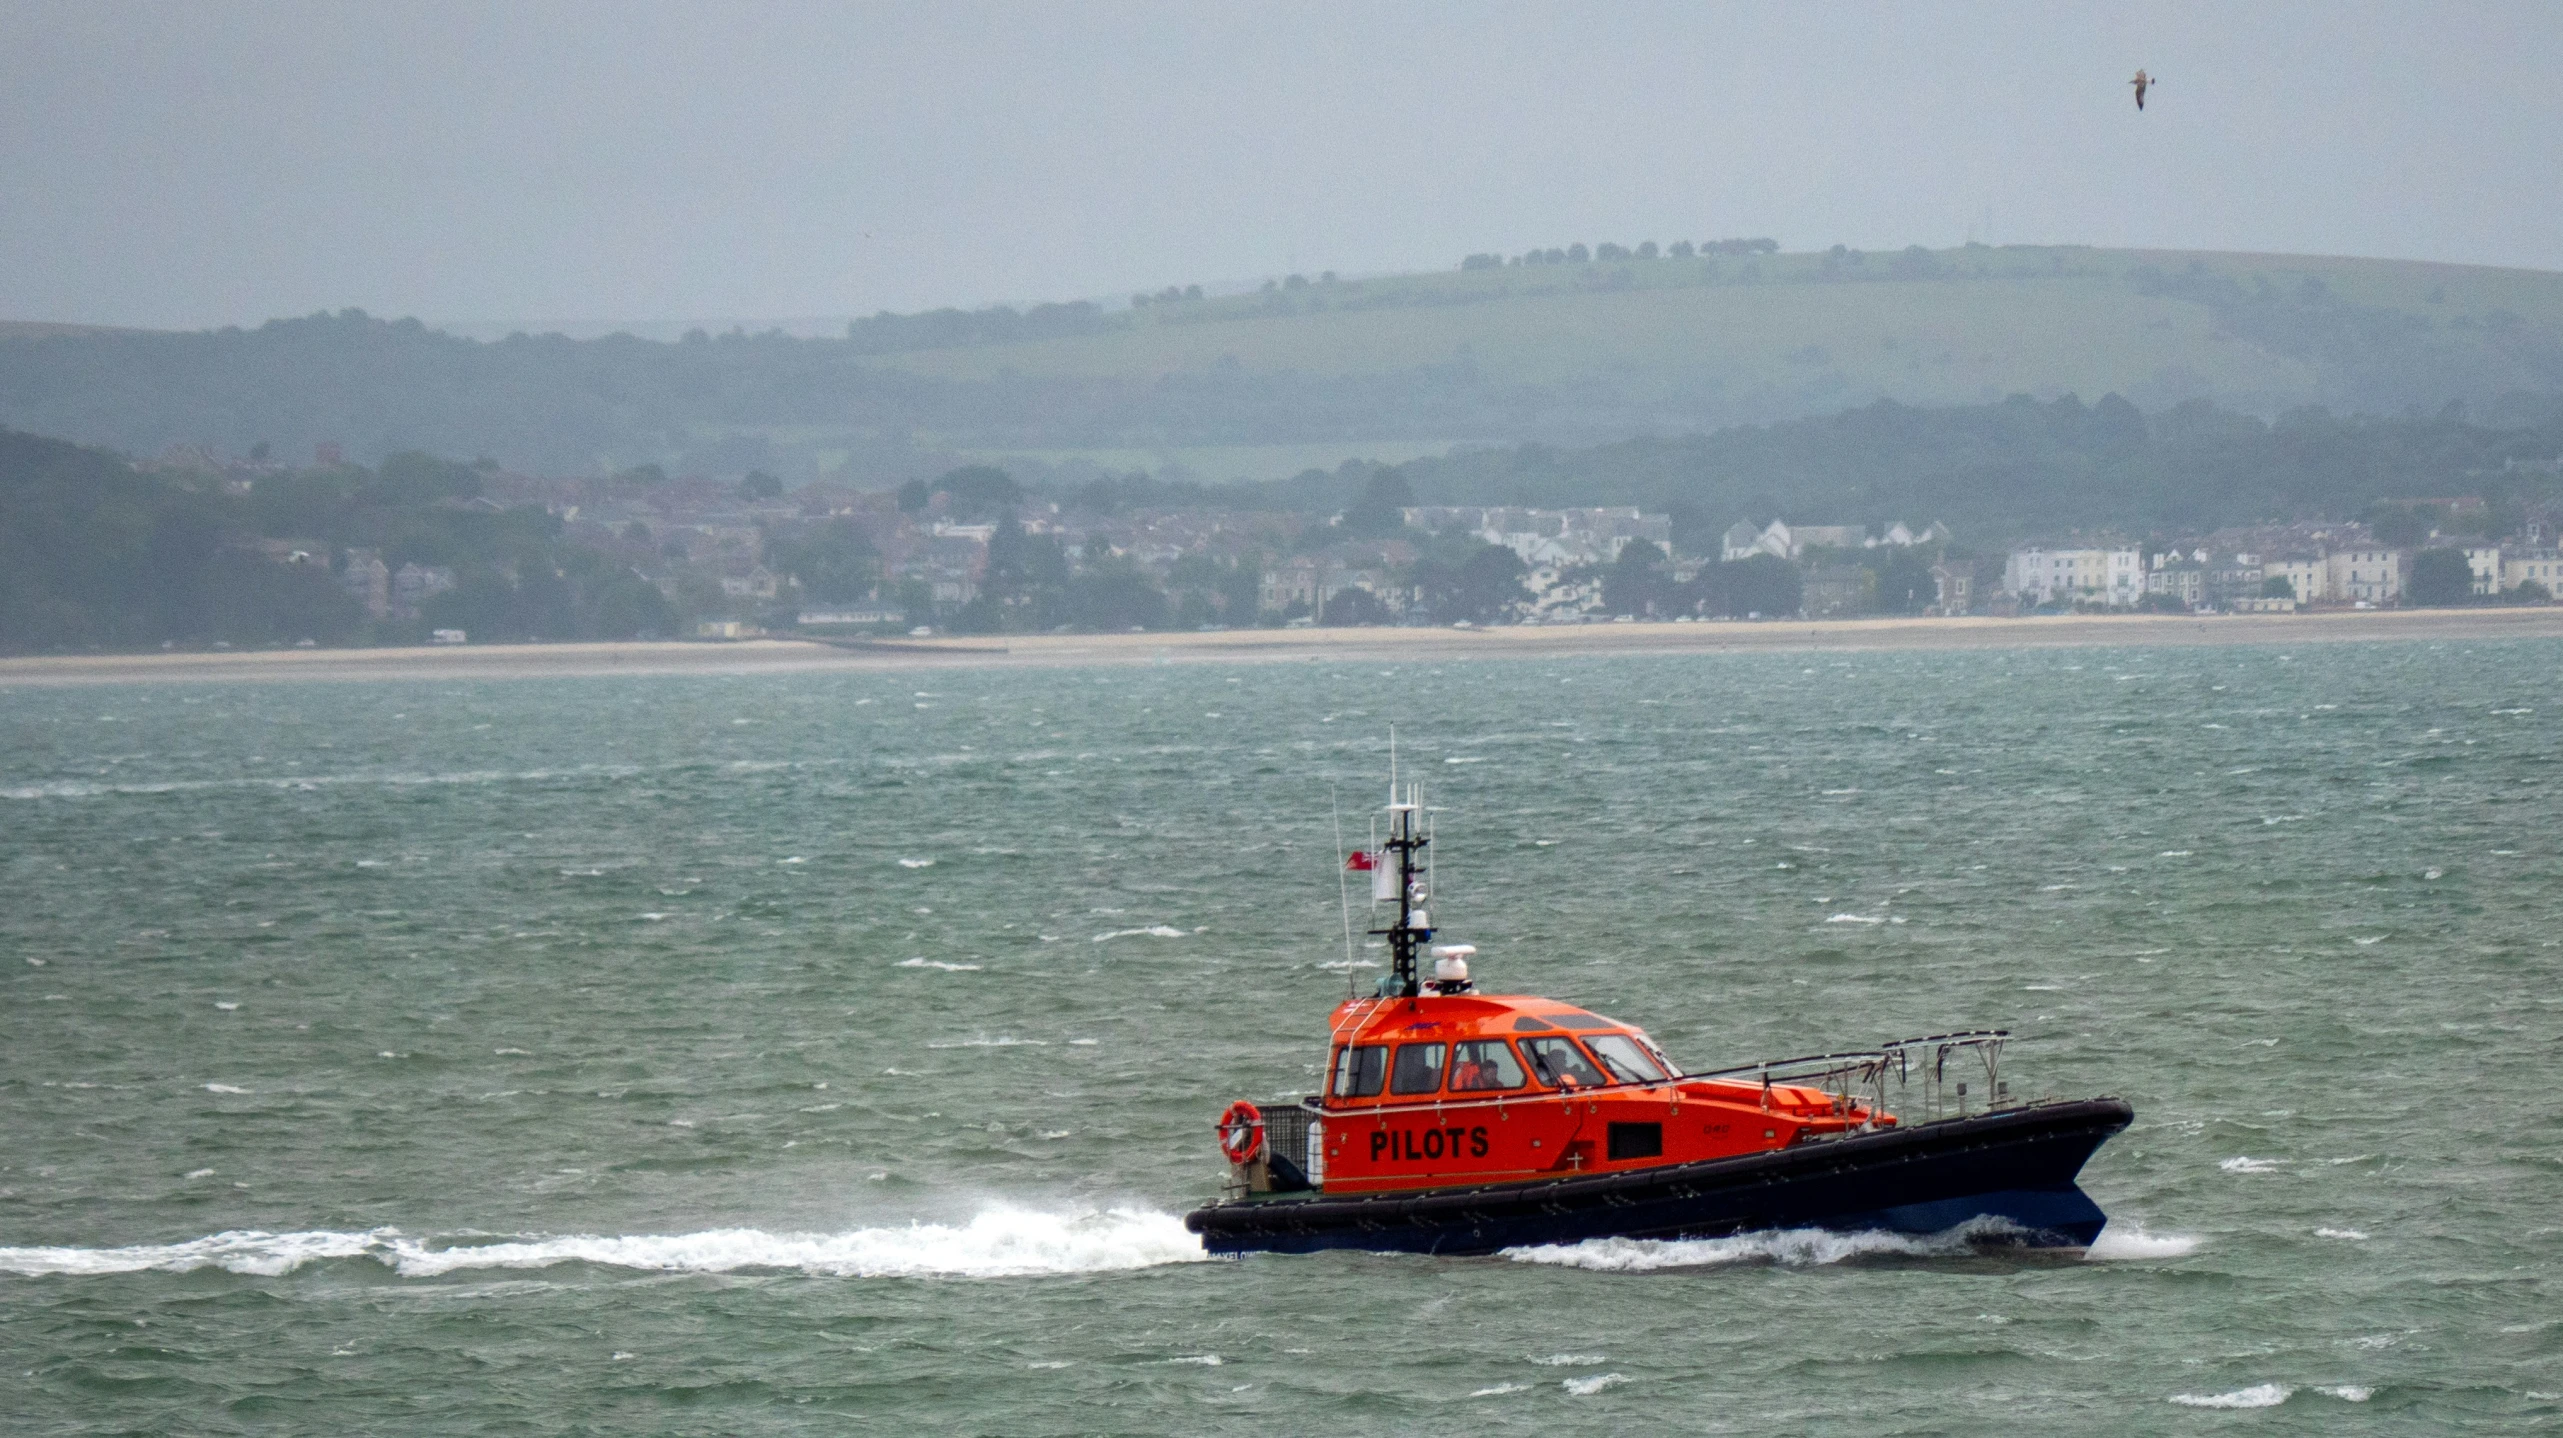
pixel 1392 763
pixel 1432 871
pixel 1343 887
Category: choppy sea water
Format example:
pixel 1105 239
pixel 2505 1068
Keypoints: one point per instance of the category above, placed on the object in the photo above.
pixel 817 1052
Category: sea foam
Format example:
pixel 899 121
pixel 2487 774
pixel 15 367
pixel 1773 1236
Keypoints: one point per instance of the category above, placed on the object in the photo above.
pixel 2259 1395
pixel 2117 1244
pixel 1587 1387
pixel 243 1251
pixel 1000 1242
pixel 1789 1248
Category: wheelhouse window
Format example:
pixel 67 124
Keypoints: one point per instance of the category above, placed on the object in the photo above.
pixel 1627 1062
pixel 1359 1070
pixel 1486 1066
pixel 1560 1064
pixel 1656 1052
pixel 1419 1068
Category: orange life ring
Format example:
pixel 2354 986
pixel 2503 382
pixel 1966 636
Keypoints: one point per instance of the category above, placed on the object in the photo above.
pixel 1241 1132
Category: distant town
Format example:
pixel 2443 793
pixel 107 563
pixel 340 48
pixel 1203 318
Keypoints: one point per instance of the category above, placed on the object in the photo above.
pixel 975 553
pixel 191 549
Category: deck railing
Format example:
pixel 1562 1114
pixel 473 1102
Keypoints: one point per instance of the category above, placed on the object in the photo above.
pixel 1919 1080
pixel 1294 1156
pixel 1286 1136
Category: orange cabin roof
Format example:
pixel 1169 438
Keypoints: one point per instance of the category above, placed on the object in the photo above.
pixel 1436 1020
pixel 1459 1016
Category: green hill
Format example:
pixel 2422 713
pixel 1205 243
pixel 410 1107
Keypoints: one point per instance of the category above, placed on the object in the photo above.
pixel 1922 327
pixel 1312 372
pixel 1706 340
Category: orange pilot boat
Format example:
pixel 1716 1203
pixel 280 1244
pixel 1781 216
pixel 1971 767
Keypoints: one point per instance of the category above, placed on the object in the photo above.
pixel 1456 1121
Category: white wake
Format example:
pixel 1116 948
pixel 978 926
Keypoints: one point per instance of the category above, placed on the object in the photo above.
pixel 2259 1395
pixel 1787 1248
pixel 2132 1243
pixel 1000 1242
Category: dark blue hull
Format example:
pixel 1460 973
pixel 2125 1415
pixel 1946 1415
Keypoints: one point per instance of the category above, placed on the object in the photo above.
pixel 2016 1167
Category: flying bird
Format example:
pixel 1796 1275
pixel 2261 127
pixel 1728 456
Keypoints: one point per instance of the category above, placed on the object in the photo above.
pixel 2142 82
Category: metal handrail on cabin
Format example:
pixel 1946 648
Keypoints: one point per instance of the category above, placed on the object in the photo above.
pixel 1925 1090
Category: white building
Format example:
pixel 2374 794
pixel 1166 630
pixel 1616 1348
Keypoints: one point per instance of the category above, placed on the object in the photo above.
pixel 1778 538
pixel 2485 561
pixel 1558 599
pixel 2368 572
pixel 2308 576
pixel 1829 536
pixel 1550 536
pixel 1743 541
pixel 2111 577
pixel 753 581
pixel 1301 582
pixel 368 581
pixel 1309 583
pixel 2532 566
pixel 2499 568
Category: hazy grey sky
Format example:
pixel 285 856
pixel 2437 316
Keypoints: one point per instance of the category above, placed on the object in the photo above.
pixel 199 164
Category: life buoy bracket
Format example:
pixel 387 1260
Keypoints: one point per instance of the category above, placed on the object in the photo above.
pixel 1241 1132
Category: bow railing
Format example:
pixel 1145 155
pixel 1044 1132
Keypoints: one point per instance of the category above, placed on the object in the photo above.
pixel 1919 1080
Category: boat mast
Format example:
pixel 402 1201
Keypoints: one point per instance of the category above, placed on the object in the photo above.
pixel 1410 932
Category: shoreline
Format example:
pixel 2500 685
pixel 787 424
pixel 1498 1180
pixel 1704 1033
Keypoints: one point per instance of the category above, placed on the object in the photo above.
pixel 1258 646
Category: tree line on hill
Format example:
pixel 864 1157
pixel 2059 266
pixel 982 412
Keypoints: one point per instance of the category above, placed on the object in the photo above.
pixel 886 333
pixel 1609 253
pixel 95 554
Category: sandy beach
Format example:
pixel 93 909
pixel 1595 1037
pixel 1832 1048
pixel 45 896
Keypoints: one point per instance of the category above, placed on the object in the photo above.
pixel 769 656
